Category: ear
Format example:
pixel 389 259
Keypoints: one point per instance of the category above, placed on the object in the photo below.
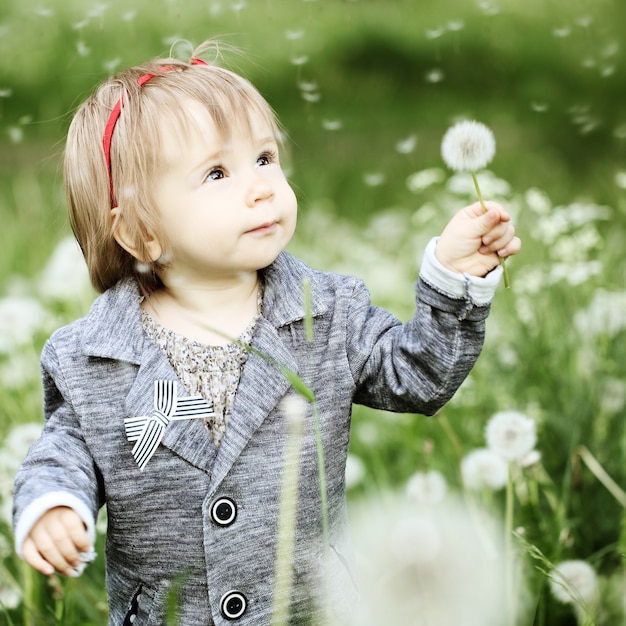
pixel 123 237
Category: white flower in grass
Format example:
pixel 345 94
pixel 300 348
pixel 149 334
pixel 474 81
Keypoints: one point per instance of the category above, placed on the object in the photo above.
pixel 427 565
pixel 65 276
pixel 573 582
pixel 468 146
pixel 20 318
pixel 427 487
pixel 511 434
pixel 10 593
pixel 355 471
pixel 484 469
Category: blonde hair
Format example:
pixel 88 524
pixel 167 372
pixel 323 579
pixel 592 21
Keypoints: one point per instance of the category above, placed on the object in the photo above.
pixel 135 156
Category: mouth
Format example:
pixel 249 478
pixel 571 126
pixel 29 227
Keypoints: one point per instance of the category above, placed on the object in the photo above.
pixel 263 229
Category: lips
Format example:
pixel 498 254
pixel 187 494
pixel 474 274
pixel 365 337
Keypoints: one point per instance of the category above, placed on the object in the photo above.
pixel 265 228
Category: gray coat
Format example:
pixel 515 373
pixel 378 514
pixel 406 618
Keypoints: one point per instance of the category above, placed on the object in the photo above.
pixel 165 534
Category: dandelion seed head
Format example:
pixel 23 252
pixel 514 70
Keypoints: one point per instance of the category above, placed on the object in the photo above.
pixel 484 469
pixel 574 581
pixel 427 487
pixel 511 434
pixel 531 459
pixel 434 563
pixel 6 92
pixel 468 146
pixel 414 541
pixel 456 25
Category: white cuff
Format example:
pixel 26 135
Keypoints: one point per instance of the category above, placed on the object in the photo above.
pixel 38 507
pixel 479 290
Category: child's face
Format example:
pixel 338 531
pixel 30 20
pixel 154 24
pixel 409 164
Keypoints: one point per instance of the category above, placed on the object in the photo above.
pixel 225 205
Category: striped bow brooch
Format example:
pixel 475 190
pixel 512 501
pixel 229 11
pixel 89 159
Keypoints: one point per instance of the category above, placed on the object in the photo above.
pixel 147 432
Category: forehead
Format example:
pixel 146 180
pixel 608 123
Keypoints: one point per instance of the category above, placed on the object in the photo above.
pixel 197 131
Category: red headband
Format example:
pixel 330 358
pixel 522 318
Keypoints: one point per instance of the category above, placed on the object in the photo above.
pixel 114 116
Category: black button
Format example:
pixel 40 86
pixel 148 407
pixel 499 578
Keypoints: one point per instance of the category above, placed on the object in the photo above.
pixel 223 511
pixel 233 605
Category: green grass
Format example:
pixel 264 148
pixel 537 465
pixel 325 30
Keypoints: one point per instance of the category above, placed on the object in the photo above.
pixel 556 118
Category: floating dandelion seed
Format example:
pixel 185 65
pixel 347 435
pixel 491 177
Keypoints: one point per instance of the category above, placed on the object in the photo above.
pixel 436 75
pixel 373 179
pixel 331 124
pixel 574 581
pixel 407 145
pixel 469 146
pixel 292 35
pixel 562 31
pixel 511 434
pixel 16 134
pixel 299 60
pixel 434 33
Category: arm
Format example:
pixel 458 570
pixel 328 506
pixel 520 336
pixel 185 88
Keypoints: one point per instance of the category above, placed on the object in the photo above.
pixel 56 493
pixel 417 367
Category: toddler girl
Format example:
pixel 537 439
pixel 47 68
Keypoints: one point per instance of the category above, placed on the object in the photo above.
pixel 155 408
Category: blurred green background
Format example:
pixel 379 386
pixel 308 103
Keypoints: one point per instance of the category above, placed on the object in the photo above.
pixel 349 79
pixel 365 90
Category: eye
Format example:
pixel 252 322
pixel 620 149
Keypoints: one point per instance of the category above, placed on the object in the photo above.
pixel 215 174
pixel 267 158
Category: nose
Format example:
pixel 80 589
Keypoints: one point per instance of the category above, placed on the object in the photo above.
pixel 259 189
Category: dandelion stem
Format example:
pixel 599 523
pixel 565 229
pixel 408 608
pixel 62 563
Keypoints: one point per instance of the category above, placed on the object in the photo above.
pixel 600 473
pixel 505 272
pixel 508 547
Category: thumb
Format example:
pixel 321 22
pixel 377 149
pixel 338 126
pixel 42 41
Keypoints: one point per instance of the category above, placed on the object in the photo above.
pixel 494 215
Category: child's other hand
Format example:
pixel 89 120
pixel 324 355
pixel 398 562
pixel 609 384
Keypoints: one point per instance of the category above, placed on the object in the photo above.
pixel 473 240
pixel 55 541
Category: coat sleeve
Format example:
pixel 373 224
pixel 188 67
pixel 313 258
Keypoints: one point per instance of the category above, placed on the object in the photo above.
pixel 418 366
pixel 58 470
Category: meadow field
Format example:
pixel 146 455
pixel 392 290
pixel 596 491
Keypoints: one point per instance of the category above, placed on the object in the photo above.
pixel 508 506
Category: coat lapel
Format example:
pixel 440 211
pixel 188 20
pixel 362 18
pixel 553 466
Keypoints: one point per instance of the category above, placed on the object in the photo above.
pixel 188 438
pixel 261 387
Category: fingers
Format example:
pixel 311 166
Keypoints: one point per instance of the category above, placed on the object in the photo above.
pixel 34 559
pixel 55 542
